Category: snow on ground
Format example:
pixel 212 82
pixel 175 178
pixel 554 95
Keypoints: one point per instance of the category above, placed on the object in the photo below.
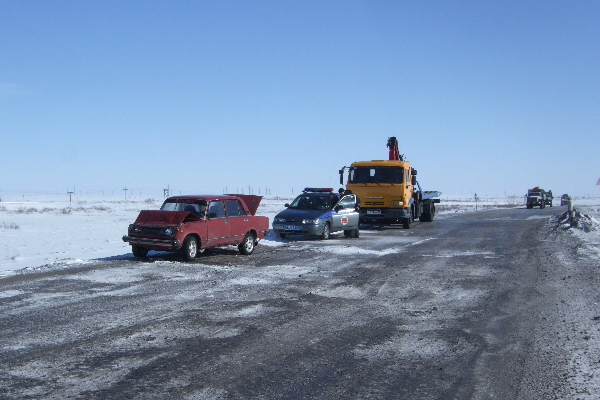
pixel 42 231
pixel 584 224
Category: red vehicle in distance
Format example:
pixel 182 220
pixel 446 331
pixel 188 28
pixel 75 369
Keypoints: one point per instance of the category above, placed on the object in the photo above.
pixel 192 224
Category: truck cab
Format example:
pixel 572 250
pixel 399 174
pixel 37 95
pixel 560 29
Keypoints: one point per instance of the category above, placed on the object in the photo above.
pixel 385 188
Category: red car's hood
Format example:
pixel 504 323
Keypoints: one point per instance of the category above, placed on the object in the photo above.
pixel 154 217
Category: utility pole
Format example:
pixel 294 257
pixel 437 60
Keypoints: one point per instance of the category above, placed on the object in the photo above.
pixel 125 194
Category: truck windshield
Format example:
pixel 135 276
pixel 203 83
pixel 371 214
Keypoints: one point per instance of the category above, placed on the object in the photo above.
pixel 376 175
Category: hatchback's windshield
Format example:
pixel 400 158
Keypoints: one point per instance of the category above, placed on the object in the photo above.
pixel 312 202
pixel 376 174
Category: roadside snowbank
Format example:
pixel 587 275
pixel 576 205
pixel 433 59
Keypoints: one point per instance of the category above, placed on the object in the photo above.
pixel 585 225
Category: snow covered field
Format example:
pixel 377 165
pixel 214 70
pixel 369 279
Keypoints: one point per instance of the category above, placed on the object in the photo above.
pixel 46 231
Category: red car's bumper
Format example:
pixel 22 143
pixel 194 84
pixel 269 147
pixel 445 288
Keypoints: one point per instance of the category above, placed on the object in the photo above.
pixel 155 244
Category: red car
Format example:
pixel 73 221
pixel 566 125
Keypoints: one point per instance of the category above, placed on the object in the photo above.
pixel 191 224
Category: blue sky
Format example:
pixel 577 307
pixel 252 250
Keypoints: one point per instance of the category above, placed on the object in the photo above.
pixel 487 97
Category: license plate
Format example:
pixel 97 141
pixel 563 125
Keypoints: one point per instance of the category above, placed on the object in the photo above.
pixel 373 211
pixel 291 227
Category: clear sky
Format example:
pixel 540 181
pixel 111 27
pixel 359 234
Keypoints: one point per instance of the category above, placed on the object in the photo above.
pixel 486 97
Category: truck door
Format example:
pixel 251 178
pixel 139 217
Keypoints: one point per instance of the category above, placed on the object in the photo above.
pixel 239 222
pixel 345 215
pixel 218 224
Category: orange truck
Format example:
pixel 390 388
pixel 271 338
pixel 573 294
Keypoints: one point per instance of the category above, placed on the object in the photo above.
pixel 389 191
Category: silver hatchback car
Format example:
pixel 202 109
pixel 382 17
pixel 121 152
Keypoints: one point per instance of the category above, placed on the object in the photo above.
pixel 319 212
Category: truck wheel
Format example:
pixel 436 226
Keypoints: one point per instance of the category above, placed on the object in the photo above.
pixel 429 216
pixel 426 217
pixel 349 233
pixel 189 250
pixel 406 222
pixel 356 233
pixel 139 252
pixel 247 246
pixel 326 232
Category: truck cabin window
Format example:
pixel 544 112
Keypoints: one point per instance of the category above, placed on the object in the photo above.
pixel 376 175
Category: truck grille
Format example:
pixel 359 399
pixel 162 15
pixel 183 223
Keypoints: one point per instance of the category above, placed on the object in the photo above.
pixel 373 203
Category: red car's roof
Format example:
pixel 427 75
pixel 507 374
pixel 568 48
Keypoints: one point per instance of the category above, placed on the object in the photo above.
pixel 251 201
pixel 202 197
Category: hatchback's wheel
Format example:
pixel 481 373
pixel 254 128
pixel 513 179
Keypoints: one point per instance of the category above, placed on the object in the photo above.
pixel 326 232
pixel 247 246
pixel 139 252
pixel 190 248
pixel 282 235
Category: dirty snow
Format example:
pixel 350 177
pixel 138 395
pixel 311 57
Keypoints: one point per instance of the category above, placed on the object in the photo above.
pixel 585 225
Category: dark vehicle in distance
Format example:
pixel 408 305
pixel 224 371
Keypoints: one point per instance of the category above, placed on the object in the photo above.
pixel 536 197
pixel 565 199
pixel 191 224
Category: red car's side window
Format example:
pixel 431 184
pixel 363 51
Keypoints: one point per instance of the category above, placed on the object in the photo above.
pixel 234 208
pixel 216 209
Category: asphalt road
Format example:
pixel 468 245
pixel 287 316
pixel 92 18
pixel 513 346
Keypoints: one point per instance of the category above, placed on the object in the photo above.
pixel 490 305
